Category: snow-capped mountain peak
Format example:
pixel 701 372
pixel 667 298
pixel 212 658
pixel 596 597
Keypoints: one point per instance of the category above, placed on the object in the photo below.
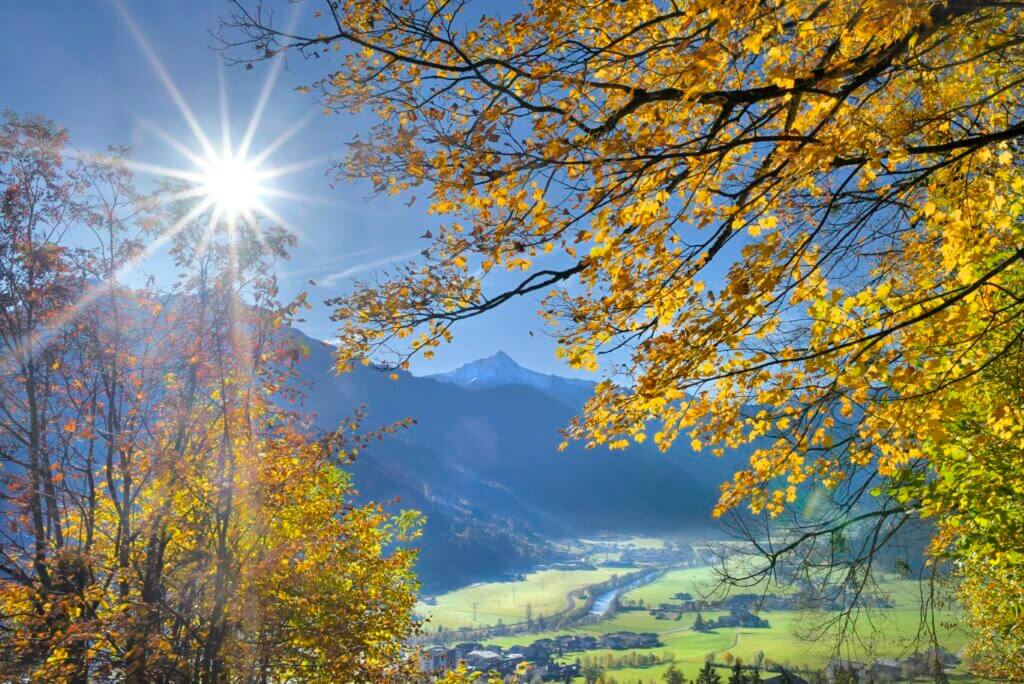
pixel 501 369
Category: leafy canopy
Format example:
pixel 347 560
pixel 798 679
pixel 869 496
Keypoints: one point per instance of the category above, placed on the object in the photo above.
pixel 169 515
pixel 790 226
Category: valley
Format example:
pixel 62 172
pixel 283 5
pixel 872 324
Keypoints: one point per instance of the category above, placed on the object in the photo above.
pixel 491 615
pixel 482 463
pixel 523 543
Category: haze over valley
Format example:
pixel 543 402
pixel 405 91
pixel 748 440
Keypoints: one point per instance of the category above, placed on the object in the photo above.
pixel 482 463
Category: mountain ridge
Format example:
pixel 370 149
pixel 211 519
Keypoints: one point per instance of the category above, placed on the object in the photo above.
pixel 501 369
pixel 483 464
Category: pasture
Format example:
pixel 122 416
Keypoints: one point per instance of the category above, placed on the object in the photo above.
pixel 539 593
pixel 883 633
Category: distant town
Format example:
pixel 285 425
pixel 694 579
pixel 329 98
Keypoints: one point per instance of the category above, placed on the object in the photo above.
pixel 540 654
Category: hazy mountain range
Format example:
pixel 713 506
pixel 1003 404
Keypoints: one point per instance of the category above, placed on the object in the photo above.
pixel 482 463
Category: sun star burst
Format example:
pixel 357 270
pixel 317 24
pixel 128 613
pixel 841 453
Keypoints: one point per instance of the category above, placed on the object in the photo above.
pixel 232 184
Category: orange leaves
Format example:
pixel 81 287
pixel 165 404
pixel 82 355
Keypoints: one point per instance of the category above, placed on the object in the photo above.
pixel 181 488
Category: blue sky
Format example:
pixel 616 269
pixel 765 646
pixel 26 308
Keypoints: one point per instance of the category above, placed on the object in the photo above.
pixel 77 62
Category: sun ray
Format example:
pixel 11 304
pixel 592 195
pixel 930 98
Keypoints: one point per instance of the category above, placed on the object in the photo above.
pixel 250 219
pixel 225 117
pixel 228 186
pixel 296 196
pixel 211 230
pixel 194 191
pixel 166 171
pixel 261 103
pixel 164 77
pixel 172 142
pixel 166 236
pixel 142 167
pixel 231 184
pixel 91 294
pixel 263 208
pixel 287 169
pixel 282 139
pixel 207 237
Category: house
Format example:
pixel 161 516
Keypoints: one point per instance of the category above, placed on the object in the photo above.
pixel 536 657
pixel 625 640
pixel 569 643
pixel 931 660
pixel 835 667
pixel 514 659
pixel 483 660
pixel 543 649
pixel 744 601
pixel 739 617
pixel 437 659
pixel 556 672
pixel 532 652
pixel 462 649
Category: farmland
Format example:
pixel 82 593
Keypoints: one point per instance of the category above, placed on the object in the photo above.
pixel 895 627
pixel 539 593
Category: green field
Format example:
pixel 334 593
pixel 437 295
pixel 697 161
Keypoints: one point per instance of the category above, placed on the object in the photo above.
pixel 542 593
pixel 613 547
pixel 689 580
pixel 894 629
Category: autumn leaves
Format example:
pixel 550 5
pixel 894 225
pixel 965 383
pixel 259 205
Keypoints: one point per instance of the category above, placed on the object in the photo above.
pixel 791 227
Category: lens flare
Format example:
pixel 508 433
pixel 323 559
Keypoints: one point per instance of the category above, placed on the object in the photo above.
pixel 232 184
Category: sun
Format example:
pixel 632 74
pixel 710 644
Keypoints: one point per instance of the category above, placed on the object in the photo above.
pixel 231 184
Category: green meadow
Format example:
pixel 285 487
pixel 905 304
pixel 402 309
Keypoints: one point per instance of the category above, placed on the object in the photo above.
pixel 883 632
pixel 539 593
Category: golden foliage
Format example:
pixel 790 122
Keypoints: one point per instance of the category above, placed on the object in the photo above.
pixel 169 517
pixel 792 227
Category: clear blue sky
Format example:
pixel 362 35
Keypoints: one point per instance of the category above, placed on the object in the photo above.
pixel 76 62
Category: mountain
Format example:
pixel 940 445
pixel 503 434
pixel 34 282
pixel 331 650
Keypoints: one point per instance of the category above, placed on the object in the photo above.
pixel 500 369
pixel 484 465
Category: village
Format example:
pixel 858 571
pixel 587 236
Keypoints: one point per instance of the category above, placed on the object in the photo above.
pixel 540 654
pixel 565 658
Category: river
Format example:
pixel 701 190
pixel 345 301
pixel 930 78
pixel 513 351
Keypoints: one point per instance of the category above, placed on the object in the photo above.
pixel 604 601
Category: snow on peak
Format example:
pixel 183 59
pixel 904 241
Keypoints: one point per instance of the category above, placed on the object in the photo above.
pixel 501 369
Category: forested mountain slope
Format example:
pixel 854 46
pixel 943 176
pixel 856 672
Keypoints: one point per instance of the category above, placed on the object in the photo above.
pixel 484 466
